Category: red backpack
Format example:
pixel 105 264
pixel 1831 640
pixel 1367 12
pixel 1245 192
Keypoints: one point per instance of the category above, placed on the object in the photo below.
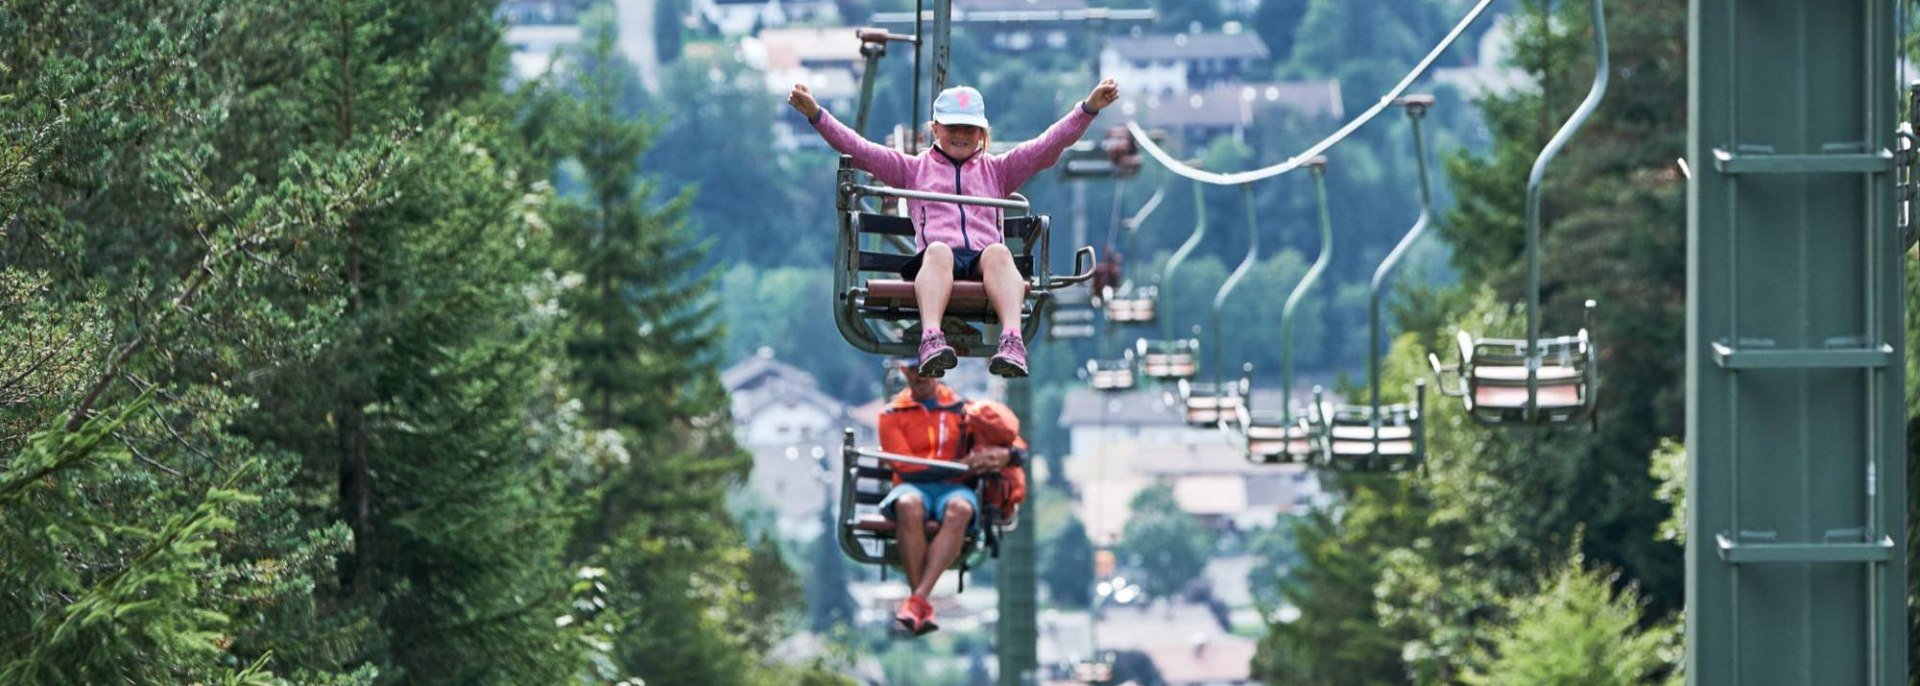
pixel 994 424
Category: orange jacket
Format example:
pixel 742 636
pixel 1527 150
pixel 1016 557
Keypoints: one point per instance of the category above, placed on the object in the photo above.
pixel 909 428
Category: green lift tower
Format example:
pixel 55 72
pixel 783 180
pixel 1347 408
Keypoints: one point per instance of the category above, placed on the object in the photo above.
pixel 1796 482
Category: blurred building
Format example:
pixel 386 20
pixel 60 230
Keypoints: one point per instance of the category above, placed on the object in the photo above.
pixel 1123 443
pixel 826 59
pixel 1228 110
pixel 794 432
pixel 1167 64
pixel 538 47
pixel 1488 73
pixel 744 17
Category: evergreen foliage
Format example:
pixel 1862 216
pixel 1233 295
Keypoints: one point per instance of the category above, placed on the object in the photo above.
pixel 1576 629
pixel 1170 546
pixel 292 391
pixel 1066 565
pixel 1429 562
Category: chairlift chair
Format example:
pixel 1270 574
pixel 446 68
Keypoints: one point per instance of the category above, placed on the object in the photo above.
pixel 1112 374
pixel 877 311
pixel 1283 435
pixel 1210 404
pixel 1072 314
pixel 1375 437
pixel 1173 359
pixel 880 314
pixel 1128 302
pixel 1534 381
pixel 1490 378
pixel 1168 360
pixel 866 536
pixel 1356 441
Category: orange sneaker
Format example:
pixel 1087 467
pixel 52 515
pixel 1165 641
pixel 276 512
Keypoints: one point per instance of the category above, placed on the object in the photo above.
pixel 923 614
pixel 907 616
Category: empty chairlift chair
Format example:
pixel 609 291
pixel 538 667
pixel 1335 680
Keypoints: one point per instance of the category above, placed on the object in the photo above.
pixel 1129 303
pixel 1115 374
pixel 1286 435
pixel 1282 436
pixel 1534 381
pixel 1072 314
pixel 1375 437
pixel 1210 404
pixel 1491 378
pixel 1173 359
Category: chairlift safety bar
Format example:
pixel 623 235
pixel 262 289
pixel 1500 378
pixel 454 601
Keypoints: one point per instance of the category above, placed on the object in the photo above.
pixel 903 459
pixel 1005 204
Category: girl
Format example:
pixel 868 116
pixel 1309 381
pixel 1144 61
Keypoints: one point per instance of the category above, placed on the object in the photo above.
pixel 960 241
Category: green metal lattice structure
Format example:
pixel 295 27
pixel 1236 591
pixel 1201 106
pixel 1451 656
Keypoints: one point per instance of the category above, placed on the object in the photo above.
pixel 1796 482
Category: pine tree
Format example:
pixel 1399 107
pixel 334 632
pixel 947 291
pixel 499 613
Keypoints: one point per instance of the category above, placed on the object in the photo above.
pixel 1068 569
pixel 642 353
pixel 1170 545
pixel 1575 629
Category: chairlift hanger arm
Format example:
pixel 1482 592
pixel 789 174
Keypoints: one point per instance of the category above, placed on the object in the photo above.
pixel 1233 279
pixel 1389 99
pixel 1416 110
pixel 1537 176
pixel 1132 224
pixel 1318 167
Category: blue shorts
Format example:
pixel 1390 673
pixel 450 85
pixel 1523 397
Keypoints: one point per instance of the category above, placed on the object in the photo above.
pixel 936 495
pixel 966 265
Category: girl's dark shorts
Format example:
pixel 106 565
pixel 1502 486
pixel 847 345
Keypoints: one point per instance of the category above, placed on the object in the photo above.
pixel 966 265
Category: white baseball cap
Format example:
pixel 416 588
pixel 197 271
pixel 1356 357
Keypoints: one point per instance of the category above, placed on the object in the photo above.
pixel 960 106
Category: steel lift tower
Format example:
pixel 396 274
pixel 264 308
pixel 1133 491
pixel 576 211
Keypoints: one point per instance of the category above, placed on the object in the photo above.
pixel 1796 481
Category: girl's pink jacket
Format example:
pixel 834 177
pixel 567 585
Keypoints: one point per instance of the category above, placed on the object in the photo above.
pixel 968 227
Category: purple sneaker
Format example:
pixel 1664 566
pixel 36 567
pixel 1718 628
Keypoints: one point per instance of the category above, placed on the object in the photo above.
pixel 1011 361
pixel 936 357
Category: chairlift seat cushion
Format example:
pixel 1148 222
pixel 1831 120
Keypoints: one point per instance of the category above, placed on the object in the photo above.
pixel 1365 448
pixel 969 297
pixel 1365 433
pixel 1487 372
pixel 1113 379
pixel 1207 401
pixel 1551 396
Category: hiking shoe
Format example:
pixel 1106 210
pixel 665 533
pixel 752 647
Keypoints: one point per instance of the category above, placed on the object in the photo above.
pixel 936 357
pixel 923 615
pixel 907 616
pixel 1011 361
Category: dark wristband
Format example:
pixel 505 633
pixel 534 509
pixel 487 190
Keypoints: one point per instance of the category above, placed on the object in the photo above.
pixel 1090 111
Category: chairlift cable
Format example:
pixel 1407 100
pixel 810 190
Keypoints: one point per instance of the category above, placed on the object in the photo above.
pixel 1301 159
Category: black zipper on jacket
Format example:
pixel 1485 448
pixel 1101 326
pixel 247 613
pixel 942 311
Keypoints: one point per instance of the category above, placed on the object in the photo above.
pixel 965 240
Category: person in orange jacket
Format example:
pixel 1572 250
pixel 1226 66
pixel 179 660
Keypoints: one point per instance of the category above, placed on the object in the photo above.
pixel 928 420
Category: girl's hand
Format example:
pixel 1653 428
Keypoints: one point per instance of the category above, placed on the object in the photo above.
pixel 1103 95
pixel 802 99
